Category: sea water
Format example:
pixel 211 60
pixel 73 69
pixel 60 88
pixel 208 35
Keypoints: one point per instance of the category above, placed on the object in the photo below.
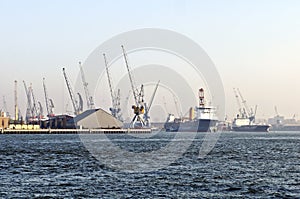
pixel 240 165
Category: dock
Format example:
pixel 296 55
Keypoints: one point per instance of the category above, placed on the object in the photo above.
pixel 76 131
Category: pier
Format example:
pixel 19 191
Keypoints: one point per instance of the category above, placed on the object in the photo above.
pixel 75 131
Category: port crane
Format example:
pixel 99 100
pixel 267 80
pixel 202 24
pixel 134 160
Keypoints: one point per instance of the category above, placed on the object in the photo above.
pixel 41 111
pixel 138 96
pixel 148 107
pixel 34 103
pixel 76 106
pixel 16 102
pixel 115 96
pixel 89 98
pixel 29 113
pixel 241 110
pixel 249 113
pixel 32 111
pixel 49 102
pixel 5 107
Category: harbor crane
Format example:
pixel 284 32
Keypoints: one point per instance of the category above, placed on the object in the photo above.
pixel 29 113
pixel 16 102
pixel 32 111
pixel 241 111
pixel 76 106
pixel 115 97
pixel 34 103
pixel 138 96
pixel 89 98
pixel 148 107
pixel 41 111
pixel 248 113
pixel 5 107
pixel 49 102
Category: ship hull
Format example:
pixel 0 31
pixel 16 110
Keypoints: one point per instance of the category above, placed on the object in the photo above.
pixel 251 128
pixel 202 125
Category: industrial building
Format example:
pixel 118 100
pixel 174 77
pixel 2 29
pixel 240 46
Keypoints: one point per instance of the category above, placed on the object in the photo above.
pixel 4 121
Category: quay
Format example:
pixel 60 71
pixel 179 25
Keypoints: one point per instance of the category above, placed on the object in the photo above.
pixel 75 131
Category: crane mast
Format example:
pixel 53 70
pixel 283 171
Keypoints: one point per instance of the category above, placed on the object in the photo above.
pixel 71 93
pixel 89 99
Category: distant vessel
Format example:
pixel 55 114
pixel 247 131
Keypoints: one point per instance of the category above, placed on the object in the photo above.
pixel 245 120
pixel 279 123
pixel 246 124
pixel 204 121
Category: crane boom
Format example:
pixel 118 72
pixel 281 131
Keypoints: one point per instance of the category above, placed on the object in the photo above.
pixel 29 113
pixel 152 97
pixel 245 104
pixel 89 99
pixel 71 93
pixel 112 94
pixel 147 108
pixel 238 101
pixel 34 105
pixel 132 83
pixel 115 97
pixel 5 106
pixel 41 111
pixel 49 102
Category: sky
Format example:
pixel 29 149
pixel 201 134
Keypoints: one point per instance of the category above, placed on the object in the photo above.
pixel 254 44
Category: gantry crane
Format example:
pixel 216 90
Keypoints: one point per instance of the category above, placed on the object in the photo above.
pixel 49 102
pixel 115 97
pixel 138 95
pixel 89 98
pixel 77 107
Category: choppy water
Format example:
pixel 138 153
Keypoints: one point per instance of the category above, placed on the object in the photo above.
pixel 241 165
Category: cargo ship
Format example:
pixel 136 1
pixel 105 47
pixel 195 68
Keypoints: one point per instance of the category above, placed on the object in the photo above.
pixel 280 123
pixel 246 124
pixel 204 121
pixel 245 120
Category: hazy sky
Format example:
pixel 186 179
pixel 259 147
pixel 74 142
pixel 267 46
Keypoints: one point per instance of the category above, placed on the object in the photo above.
pixel 255 45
